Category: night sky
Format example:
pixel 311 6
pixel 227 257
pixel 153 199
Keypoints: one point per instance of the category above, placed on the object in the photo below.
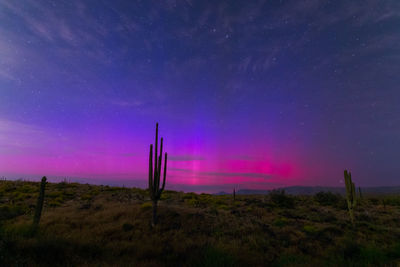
pixel 248 94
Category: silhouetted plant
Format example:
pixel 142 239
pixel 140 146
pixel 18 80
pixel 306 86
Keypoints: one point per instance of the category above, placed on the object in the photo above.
pixel 384 202
pixel 279 198
pixel 327 198
pixel 39 205
pixel 234 194
pixel 154 176
pixel 350 194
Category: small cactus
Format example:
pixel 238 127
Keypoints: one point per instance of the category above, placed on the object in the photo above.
pixel 40 201
pixel 154 177
pixel 350 194
pixel 234 194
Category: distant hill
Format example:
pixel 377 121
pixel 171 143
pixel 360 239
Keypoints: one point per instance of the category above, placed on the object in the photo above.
pixel 311 190
pixel 244 192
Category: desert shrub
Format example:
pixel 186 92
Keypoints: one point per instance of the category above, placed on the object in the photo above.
pixel 394 251
pixel 280 222
pixel 292 259
pixel 10 187
pixel 280 199
pixel 127 227
pixel 211 256
pixel 9 212
pixel 17 252
pixel 327 198
pixel 62 185
pixel 351 253
pixel 26 188
pixel 85 206
pixel 189 196
pixel 165 196
pixel 310 229
pixel 193 202
pixel 392 200
pixel 53 194
pixel 350 249
pixel 372 255
pixel 69 194
pixel 374 201
pixel 18 196
pixel 87 196
pixel 146 206
pixel 223 207
pixel 56 202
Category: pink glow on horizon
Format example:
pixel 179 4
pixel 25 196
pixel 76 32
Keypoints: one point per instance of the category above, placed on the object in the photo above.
pixel 192 160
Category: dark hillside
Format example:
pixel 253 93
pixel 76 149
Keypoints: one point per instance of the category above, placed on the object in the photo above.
pixel 87 225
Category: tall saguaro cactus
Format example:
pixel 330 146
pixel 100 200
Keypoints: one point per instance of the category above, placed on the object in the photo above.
pixel 154 176
pixel 350 194
pixel 39 205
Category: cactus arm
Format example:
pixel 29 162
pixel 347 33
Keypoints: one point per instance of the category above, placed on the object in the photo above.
pixel 160 157
pixel 155 152
pixel 151 169
pixel 159 172
pixel 165 172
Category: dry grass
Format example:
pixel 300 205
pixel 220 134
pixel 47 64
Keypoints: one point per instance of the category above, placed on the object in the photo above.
pixel 87 225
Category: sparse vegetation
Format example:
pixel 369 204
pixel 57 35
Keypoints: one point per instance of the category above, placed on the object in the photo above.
pixel 327 198
pixel 194 229
pixel 280 199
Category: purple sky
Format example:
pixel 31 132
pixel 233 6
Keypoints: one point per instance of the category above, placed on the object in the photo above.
pixel 248 94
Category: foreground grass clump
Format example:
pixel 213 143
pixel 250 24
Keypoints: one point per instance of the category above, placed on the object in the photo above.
pixel 110 226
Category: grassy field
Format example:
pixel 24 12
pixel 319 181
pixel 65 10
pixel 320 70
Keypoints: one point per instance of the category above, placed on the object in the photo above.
pixel 89 225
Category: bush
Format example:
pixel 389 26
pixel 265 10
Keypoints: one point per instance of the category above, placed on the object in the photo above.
pixel 280 222
pixel 310 229
pixel 127 227
pixel 279 198
pixel 327 198
pixel 374 201
pixel 10 212
pixel 211 256
pixel 146 206
pixel 392 200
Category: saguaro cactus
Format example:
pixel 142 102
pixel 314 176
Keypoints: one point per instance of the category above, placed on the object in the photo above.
pixel 154 176
pixel 350 194
pixel 39 205
pixel 234 194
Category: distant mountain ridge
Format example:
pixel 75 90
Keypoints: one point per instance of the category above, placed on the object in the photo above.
pixel 311 190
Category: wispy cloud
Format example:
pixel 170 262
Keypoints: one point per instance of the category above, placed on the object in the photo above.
pixel 185 157
pixel 123 103
pixel 248 157
pixel 20 138
pixel 224 174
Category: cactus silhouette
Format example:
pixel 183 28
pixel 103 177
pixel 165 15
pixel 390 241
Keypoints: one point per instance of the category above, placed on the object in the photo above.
pixel 39 205
pixel 350 194
pixel 154 176
pixel 234 194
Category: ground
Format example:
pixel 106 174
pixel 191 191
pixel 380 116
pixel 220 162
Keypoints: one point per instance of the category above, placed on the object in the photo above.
pixel 90 225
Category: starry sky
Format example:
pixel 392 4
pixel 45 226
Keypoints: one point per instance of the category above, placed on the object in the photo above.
pixel 248 94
